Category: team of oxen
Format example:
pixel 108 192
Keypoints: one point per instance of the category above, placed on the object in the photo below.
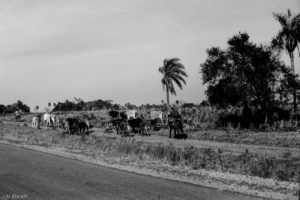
pixel 125 123
pixel 70 125
pixel 132 121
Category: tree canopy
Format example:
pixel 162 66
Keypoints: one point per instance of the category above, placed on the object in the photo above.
pixel 243 72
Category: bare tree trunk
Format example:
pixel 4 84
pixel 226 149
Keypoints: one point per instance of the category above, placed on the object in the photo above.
pixel 266 114
pixel 295 107
pixel 168 100
pixel 294 92
pixel 292 62
pixel 168 105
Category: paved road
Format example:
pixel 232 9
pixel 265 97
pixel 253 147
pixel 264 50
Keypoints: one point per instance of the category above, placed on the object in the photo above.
pixel 36 175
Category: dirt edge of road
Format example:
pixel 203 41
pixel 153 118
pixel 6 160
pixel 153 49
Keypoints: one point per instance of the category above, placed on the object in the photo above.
pixel 267 188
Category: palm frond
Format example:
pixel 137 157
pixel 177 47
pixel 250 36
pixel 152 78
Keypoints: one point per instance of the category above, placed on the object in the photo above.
pixel 177 65
pixel 173 60
pixel 177 81
pixel 179 72
pixel 161 69
pixel 166 62
pixel 282 19
pixel 180 78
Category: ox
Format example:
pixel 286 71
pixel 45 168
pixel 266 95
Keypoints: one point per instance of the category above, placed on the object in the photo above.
pixel 58 121
pixel 83 127
pixel 119 121
pixel 138 125
pixel 156 124
pixel 35 122
pixel 88 124
pixel 53 119
pixel 154 114
pixel 175 124
pixel 47 119
pixel 121 126
pixel 131 114
pixel 71 125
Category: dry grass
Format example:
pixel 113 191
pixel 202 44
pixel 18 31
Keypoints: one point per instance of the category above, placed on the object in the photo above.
pixel 278 139
pixel 279 168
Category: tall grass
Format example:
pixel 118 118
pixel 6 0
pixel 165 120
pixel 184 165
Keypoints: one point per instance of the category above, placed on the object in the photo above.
pixel 201 118
pixel 188 156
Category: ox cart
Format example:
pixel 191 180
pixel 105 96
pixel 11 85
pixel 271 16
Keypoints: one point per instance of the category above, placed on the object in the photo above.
pixel 125 124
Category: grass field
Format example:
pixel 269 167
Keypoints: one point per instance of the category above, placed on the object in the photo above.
pixel 274 155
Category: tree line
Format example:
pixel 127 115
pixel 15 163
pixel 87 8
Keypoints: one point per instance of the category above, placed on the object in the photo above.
pixel 79 105
pixel 19 106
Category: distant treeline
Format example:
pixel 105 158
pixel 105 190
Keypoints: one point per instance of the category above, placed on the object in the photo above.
pixel 79 105
pixel 19 106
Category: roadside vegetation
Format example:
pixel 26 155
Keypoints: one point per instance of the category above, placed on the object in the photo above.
pixel 279 168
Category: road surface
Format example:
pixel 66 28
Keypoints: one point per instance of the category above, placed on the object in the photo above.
pixel 27 174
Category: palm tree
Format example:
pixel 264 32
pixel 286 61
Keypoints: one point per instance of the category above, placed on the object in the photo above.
pixel 173 71
pixel 288 38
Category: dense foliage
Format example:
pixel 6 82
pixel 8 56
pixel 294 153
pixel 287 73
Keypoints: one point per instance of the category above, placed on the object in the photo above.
pixel 245 72
pixel 19 106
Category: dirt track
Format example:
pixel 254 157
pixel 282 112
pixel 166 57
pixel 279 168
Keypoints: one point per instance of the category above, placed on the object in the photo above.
pixel 234 148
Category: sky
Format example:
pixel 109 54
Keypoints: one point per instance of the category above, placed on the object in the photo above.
pixel 53 50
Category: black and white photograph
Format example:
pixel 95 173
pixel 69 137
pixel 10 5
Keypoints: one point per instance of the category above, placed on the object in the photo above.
pixel 149 100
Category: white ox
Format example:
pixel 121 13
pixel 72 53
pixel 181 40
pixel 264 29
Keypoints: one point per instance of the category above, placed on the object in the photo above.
pixel 35 122
pixel 47 119
pixel 53 119
pixel 131 114
pixel 154 114
pixel 57 121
